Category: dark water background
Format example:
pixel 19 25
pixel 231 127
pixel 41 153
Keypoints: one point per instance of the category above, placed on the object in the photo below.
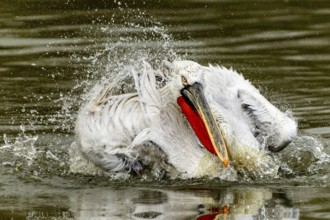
pixel 53 51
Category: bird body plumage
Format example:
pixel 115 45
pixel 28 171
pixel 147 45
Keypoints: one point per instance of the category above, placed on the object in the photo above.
pixel 111 129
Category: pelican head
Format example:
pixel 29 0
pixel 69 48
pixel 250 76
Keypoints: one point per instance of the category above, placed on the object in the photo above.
pixel 187 82
pixel 282 133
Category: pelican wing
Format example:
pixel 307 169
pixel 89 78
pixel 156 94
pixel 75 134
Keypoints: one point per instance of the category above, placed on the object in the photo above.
pixel 148 91
pixel 257 111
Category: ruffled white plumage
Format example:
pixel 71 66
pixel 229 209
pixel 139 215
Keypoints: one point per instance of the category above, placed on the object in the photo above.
pixel 111 128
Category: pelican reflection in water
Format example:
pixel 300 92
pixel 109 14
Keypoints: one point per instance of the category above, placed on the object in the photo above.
pixel 198 119
pixel 198 204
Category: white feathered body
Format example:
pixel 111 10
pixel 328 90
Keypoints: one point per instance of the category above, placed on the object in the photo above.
pixel 111 130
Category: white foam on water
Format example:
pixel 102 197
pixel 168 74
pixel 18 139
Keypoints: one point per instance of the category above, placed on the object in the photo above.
pixel 23 146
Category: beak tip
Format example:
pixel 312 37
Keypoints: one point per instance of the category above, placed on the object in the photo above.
pixel 225 162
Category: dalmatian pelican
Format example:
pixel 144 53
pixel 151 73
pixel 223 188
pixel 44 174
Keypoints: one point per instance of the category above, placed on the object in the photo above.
pixel 196 115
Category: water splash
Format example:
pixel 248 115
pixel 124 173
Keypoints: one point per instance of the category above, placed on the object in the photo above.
pixel 124 47
pixel 305 156
pixel 22 147
pixel 24 156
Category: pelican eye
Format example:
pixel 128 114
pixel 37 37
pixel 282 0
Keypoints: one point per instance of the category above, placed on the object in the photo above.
pixel 184 81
